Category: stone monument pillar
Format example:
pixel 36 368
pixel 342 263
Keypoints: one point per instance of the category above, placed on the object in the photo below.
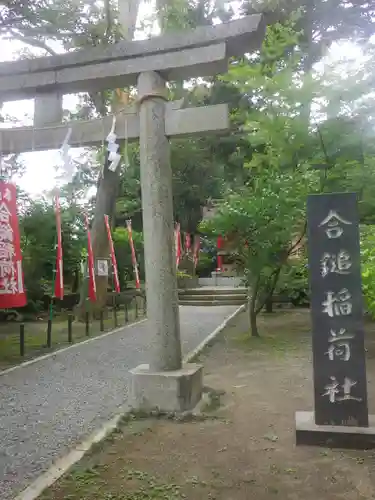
pixel 341 415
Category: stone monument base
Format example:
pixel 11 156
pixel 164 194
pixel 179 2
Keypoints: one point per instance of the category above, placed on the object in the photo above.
pixel 333 436
pixel 172 391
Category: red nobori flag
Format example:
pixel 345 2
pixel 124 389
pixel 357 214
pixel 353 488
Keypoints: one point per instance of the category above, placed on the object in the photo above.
pixel 116 281
pixel 59 279
pixel 134 258
pixel 187 243
pixel 12 289
pixel 90 264
pixel 177 235
pixel 197 246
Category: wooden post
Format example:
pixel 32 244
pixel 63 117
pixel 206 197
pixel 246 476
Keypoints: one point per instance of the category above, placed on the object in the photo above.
pixel 22 340
pixel 70 328
pixel 49 333
pixel 101 319
pixel 87 324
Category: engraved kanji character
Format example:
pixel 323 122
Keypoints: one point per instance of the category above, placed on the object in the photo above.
pixel 347 387
pixel 334 224
pixel 338 264
pixel 340 351
pixel 338 304
pixel 332 390
pixel 340 336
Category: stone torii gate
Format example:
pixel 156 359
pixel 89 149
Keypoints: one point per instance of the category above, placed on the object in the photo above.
pixel 205 51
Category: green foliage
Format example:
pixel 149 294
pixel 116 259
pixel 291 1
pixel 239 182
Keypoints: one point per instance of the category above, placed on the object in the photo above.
pixel 206 264
pixel 183 274
pixel 38 240
pixel 264 217
pixel 293 282
pixel 123 255
pixel 368 267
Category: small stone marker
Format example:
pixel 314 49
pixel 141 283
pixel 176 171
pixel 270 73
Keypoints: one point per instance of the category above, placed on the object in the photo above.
pixel 337 324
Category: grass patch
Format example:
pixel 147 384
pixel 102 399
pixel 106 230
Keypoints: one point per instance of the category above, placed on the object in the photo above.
pixel 280 333
pixel 89 478
pixel 278 343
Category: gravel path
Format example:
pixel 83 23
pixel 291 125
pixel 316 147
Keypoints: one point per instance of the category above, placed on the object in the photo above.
pixel 50 405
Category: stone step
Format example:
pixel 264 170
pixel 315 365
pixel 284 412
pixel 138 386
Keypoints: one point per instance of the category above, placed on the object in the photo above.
pixel 213 291
pixel 218 298
pixel 213 296
pixel 210 303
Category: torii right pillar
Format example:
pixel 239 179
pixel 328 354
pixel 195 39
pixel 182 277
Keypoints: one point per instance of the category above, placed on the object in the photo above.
pixel 165 383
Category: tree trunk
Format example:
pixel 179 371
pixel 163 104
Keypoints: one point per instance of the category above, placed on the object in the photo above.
pixel 105 204
pixel 269 305
pixel 252 299
pixel 108 184
pixel 253 323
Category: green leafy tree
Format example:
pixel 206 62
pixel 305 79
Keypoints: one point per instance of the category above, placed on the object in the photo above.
pixel 38 240
pixel 267 220
pixel 368 267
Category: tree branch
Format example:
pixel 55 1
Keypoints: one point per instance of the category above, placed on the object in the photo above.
pixel 296 243
pixel 275 276
pixel 33 42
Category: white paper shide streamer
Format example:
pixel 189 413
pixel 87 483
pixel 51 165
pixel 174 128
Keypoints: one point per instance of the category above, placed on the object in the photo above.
pixel 113 156
pixel 68 164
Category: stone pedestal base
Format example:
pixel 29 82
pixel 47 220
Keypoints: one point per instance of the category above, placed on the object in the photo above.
pixel 175 391
pixel 333 436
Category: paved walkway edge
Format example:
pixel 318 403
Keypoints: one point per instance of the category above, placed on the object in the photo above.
pixel 63 349
pixel 62 465
pixel 210 338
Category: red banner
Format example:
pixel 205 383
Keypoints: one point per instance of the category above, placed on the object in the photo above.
pixel 12 289
pixel 90 264
pixel 116 281
pixel 177 235
pixel 134 258
pixel 187 243
pixel 59 278
pixel 197 246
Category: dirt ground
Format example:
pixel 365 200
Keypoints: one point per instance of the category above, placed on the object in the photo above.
pixel 245 449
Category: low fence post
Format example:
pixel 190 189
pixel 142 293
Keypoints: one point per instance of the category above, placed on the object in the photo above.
pixel 22 340
pixel 70 328
pixel 136 307
pixel 126 313
pixel 144 305
pixel 101 320
pixel 87 323
pixel 115 322
pixel 49 333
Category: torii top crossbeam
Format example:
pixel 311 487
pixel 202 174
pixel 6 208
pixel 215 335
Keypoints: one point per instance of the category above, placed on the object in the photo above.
pixel 200 52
